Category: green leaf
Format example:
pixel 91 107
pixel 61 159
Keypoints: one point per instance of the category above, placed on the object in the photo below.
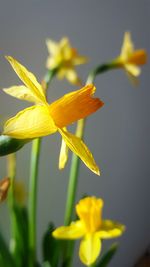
pixel 6 258
pixel 107 256
pixel 20 239
pixel 50 247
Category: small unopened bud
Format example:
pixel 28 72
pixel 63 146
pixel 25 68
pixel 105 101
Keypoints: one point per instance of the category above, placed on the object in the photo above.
pixel 10 145
pixel 4 186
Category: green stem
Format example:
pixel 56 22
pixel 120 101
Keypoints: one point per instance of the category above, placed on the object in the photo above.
pixel 11 166
pixel 33 182
pixel 99 70
pixel 75 165
pixel 75 162
pixel 73 177
pixel 35 154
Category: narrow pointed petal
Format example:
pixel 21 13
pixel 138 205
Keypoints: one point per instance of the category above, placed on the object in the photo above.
pixel 74 231
pixel 80 149
pixel 132 69
pixel 127 47
pixel 74 106
pixel 110 229
pixel 29 123
pixel 22 92
pixel 72 77
pixel 90 248
pixel 63 156
pixel 52 46
pixel 28 78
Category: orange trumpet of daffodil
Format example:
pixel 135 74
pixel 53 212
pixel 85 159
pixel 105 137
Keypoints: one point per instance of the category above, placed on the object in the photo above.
pixel 64 57
pixel 43 118
pixel 91 228
pixel 130 59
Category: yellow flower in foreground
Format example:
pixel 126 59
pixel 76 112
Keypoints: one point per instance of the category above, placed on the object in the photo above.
pixel 65 58
pixel 91 228
pixel 44 119
pixel 130 58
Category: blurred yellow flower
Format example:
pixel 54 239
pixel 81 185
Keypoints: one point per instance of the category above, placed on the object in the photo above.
pixel 130 58
pixel 65 58
pixel 20 193
pixel 91 228
pixel 44 119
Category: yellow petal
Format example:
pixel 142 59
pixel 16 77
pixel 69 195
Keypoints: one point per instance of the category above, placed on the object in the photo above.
pixel 80 149
pixel 72 77
pixel 52 46
pixel 65 48
pixel 28 78
pixel 89 210
pixel 63 156
pixel 22 92
pixel 132 69
pixel 74 231
pixel 110 229
pixel 90 248
pixel 31 122
pixel 74 106
pixel 127 47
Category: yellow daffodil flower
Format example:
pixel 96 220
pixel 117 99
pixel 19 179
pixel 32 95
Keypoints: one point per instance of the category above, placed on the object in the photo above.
pixel 130 59
pixel 64 58
pixel 44 119
pixel 91 228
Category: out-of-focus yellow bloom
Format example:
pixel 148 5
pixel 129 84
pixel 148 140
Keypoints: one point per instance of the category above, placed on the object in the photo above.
pixel 20 193
pixel 91 228
pixel 130 59
pixel 44 119
pixel 65 58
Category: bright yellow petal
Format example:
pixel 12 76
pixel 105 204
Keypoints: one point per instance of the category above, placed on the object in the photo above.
pixel 127 47
pixel 22 92
pixel 65 49
pixel 74 106
pixel 80 149
pixel 61 73
pixel 132 69
pixel 90 248
pixel 72 77
pixel 74 231
pixel 31 122
pixel 63 156
pixel 28 78
pixel 110 229
pixel 52 46
pixel 89 210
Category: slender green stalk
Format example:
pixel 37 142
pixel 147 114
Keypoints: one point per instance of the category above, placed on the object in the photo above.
pixel 75 162
pixel 33 182
pixel 11 166
pixel 35 154
pixel 73 178
pixel 75 165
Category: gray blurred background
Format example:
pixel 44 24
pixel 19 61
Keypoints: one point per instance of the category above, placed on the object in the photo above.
pixel 118 134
